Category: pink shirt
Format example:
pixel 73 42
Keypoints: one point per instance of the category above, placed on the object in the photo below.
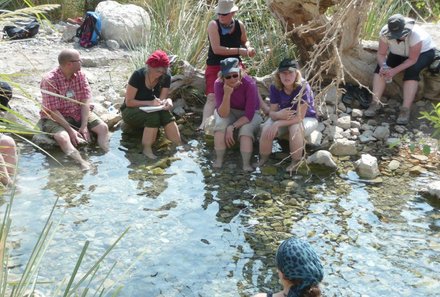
pixel 76 88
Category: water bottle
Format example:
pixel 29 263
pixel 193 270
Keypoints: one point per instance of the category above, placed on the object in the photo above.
pixel 386 67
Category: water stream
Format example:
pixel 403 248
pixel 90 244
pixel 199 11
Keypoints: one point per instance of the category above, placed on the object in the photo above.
pixel 194 232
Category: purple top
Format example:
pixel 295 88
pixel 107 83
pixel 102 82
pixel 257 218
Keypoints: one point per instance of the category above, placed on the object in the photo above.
pixel 285 101
pixel 245 97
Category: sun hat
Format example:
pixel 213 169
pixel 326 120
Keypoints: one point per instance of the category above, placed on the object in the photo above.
pixel 288 64
pixel 297 260
pixel 158 59
pixel 398 26
pixel 226 6
pixel 229 65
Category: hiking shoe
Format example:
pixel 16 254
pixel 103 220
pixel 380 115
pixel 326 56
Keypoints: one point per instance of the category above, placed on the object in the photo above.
pixel 403 118
pixel 372 109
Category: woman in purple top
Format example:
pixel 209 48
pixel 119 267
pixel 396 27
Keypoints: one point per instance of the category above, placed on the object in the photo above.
pixel 292 112
pixel 237 105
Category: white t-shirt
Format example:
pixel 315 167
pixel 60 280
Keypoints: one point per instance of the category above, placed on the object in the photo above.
pixel 401 48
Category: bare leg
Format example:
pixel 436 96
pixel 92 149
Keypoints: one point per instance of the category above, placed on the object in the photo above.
pixel 101 132
pixel 148 138
pixel 296 145
pixel 246 152
pixel 63 140
pixel 265 146
pixel 208 110
pixel 4 174
pixel 9 151
pixel 220 148
pixel 172 133
pixel 378 88
pixel 409 92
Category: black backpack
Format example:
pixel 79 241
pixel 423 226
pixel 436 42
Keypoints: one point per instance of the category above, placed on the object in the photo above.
pixel 23 30
pixel 5 95
pixel 89 32
pixel 434 68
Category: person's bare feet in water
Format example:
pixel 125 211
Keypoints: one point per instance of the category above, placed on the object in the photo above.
pixel 149 153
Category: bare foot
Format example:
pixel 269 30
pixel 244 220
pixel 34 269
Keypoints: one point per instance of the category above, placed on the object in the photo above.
pixel 217 164
pixel 248 168
pixel 149 154
pixel 293 166
pixel 85 165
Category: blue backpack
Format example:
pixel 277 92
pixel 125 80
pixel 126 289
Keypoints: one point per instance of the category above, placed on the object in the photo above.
pixel 89 32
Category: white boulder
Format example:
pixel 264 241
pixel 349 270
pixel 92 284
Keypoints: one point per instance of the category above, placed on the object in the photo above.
pixel 367 167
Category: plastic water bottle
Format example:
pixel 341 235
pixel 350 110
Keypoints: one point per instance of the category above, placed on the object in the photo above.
pixel 386 67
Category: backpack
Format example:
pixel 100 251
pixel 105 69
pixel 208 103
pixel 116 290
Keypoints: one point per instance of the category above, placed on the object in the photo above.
pixel 434 68
pixel 23 30
pixel 5 95
pixel 89 32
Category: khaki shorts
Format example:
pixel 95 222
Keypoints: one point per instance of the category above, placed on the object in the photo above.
pixel 250 129
pixel 308 124
pixel 49 126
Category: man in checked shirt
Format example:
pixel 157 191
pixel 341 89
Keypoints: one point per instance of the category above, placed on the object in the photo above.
pixel 66 110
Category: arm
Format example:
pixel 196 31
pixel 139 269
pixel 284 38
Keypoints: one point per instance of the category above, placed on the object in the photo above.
pixel 225 105
pixel 414 53
pixel 248 51
pixel 167 102
pixel 75 136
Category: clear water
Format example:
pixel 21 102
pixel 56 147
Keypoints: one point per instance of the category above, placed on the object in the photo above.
pixel 197 234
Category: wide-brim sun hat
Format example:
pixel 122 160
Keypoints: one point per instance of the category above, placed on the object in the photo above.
pixel 398 26
pixel 226 6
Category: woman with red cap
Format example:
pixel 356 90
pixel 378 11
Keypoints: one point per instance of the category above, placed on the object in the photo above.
pixel 149 86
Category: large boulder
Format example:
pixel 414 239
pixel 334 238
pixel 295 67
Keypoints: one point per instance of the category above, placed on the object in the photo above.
pixel 127 24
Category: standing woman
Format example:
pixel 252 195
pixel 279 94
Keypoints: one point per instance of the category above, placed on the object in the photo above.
pixel 227 38
pixel 149 86
pixel 237 105
pixel 292 112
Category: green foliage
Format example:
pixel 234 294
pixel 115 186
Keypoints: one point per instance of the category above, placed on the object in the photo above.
pixel 433 117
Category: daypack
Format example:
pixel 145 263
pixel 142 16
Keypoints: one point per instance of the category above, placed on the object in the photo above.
pixel 435 65
pixel 23 30
pixel 89 32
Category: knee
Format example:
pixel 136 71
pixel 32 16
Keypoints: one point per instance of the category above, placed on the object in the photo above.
pixel 210 99
pixel 101 129
pixel 62 138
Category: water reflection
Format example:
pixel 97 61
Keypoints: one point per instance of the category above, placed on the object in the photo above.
pixel 198 232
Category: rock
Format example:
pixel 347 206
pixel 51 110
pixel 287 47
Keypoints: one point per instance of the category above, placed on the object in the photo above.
pixel 331 96
pixel 434 189
pixel 344 122
pixel 314 138
pixel 129 25
pixel 400 129
pixel 393 165
pixel 381 133
pixel 422 158
pixel 393 141
pixel 417 170
pixel 69 32
pixel 334 132
pixel 367 136
pixel 322 157
pixel 343 147
pixel 111 119
pixel 367 167
pixel 112 44
pixel 356 113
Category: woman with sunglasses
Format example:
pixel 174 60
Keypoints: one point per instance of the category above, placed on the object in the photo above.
pixel 227 38
pixel 292 113
pixel 237 106
pixel 403 47
pixel 149 86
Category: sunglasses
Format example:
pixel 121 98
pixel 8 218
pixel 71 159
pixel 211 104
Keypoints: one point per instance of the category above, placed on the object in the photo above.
pixel 235 75
pixel 223 14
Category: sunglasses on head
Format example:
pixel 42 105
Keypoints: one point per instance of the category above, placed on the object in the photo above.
pixel 235 75
pixel 223 14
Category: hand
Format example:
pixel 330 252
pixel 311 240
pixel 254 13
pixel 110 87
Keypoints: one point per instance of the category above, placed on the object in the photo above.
pixel 75 137
pixel 155 102
pixel 229 136
pixel 167 104
pixel 227 89
pixel 84 132
pixel 251 52
pixel 285 114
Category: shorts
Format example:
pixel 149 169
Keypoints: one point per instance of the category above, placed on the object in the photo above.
pixel 50 126
pixel 250 129
pixel 309 124
pixel 211 74
pixel 412 73
pixel 137 118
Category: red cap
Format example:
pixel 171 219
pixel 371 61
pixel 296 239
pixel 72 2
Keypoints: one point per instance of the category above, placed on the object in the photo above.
pixel 158 59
